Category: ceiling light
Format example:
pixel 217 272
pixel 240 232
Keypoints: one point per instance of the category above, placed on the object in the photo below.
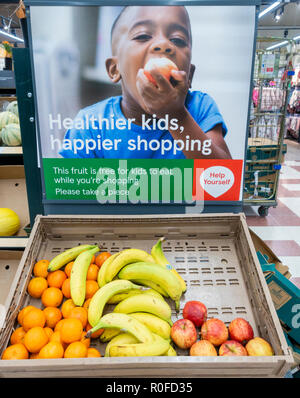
pixel 296 37
pixel 283 43
pixel 2 32
pixel 268 9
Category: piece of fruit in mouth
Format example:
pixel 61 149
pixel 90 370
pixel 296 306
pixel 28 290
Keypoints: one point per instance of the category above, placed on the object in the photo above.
pixel 163 65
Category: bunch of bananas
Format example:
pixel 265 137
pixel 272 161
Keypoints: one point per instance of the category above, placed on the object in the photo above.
pixel 140 323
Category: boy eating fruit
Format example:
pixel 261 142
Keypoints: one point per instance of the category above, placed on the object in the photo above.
pixel 157 116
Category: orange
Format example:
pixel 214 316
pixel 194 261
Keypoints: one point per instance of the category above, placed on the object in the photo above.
pixel 17 336
pixel 23 312
pixel 71 330
pixel 76 350
pixel 37 286
pixel 86 304
pixel 53 315
pixel 48 331
pixel 85 341
pixel 95 334
pixel 79 313
pixel 15 351
pixel 58 325
pixel 52 297
pixel 68 269
pixel 35 339
pixel 66 307
pixel 92 273
pixel 93 259
pixel 66 290
pixel 33 318
pixel 56 278
pixel 57 338
pixel 52 350
pixel 93 353
pixel 91 288
pixel 41 268
pixel 101 258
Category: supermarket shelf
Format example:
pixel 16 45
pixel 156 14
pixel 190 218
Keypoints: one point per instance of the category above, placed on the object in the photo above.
pixel 11 150
pixel 13 243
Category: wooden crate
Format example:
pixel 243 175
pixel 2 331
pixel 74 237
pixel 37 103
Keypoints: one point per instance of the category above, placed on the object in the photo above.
pixel 215 256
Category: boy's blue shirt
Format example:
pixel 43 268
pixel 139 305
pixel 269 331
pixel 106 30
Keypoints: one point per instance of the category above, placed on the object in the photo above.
pixel 200 105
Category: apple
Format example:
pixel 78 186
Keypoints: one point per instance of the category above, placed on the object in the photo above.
pixel 183 333
pixel 203 348
pixel 195 311
pixel 240 330
pixel 163 65
pixel 215 331
pixel 259 347
pixel 232 348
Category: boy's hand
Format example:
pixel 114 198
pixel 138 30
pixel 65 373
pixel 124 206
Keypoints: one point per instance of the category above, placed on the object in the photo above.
pixel 164 98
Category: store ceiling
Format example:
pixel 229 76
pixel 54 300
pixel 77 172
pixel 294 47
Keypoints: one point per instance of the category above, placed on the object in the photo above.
pixel 290 19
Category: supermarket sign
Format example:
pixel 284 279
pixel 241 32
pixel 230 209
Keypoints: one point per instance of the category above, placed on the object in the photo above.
pixel 159 134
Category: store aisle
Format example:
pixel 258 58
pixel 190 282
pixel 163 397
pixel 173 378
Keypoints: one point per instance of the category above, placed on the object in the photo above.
pixel 281 228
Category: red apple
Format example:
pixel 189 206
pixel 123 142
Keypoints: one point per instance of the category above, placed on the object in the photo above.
pixel 203 348
pixel 259 347
pixel 163 65
pixel 215 331
pixel 240 330
pixel 232 348
pixel 183 333
pixel 195 311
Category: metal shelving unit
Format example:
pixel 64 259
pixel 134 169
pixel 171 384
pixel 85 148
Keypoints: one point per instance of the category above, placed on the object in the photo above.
pixel 266 148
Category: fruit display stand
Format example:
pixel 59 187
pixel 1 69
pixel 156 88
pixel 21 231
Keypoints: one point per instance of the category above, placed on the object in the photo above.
pixel 215 256
pixel 13 195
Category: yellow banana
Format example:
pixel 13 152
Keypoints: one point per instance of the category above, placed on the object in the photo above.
pixel 161 276
pixel 78 275
pixel 153 292
pixel 152 285
pixel 125 257
pixel 68 255
pixel 145 303
pixel 154 324
pixel 121 296
pixel 108 334
pixel 102 270
pixel 122 338
pixel 126 323
pixel 158 346
pixel 159 257
pixel 101 297
pixel 171 352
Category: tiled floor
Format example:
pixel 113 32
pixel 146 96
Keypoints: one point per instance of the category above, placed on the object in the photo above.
pixel 280 229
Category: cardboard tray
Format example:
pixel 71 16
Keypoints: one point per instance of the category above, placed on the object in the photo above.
pixel 213 253
pixel 13 194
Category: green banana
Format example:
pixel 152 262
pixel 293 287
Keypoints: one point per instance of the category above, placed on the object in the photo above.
pixel 121 296
pixel 78 275
pixel 126 323
pixel 159 257
pixel 161 276
pixel 101 297
pixel 158 346
pixel 68 255
pixel 102 270
pixel 145 303
pixel 154 324
pixel 125 257
pixel 122 338
pixel 152 285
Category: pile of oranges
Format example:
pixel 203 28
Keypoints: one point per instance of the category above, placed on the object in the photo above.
pixel 58 329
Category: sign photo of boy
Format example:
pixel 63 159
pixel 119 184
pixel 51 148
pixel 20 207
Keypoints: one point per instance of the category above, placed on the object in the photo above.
pixel 156 116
